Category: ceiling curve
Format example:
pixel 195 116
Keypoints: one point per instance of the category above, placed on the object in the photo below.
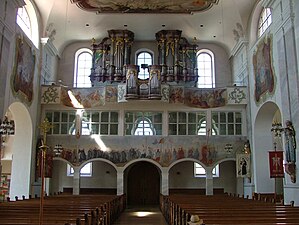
pixel 209 21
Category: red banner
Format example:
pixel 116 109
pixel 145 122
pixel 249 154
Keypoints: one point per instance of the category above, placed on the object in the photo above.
pixel 276 164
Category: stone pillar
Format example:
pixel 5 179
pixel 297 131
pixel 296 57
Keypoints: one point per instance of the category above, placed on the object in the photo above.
pixel 120 181
pixel 209 181
pixel 164 182
pixel 76 181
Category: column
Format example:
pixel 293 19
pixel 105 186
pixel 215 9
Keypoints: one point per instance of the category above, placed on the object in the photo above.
pixel 120 181
pixel 209 181
pixel 76 181
pixel 164 182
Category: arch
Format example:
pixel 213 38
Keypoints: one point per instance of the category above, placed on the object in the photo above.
pixel 263 142
pixel 143 74
pixel 255 16
pixel 98 159
pixel 140 160
pixel 143 183
pixel 21 150
pixel 183 160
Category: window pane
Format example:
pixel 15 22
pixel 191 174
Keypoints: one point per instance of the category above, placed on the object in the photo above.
pixel 158 129
pixel 182 129
pixel 64 117
pixel 64 129
pixel 105 117
pixel 114 117
pixel 231 129
pixel 230 117
pixel 113 129
pixel 222 129
pixel 95 117
pixel 172 117
pixel 104 129
pixel 129 128
pixel 238 117
pixel 192 118
pixel 222 117
pixel 95 129
pixel 182 117
pixel 238 129
pixel 192 129
pixel 172 129
pixel 56 117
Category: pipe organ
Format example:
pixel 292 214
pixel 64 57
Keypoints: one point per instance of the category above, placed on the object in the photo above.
pixel 112 63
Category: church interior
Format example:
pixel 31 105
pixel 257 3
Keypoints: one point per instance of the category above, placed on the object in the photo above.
pixel 149 99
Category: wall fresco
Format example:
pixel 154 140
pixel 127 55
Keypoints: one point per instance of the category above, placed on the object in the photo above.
pixel 163 150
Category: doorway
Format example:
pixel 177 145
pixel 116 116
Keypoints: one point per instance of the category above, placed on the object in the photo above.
pixel 143 184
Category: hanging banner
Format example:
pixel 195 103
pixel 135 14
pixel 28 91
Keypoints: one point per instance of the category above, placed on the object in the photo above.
pixel 276 164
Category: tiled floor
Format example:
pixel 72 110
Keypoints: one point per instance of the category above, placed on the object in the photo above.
pixel 141 215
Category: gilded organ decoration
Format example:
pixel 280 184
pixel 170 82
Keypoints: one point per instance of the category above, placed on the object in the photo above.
pixel 112 63
pixel 145 6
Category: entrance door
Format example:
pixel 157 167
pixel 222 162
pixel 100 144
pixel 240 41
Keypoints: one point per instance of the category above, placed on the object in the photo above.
pixel 143 184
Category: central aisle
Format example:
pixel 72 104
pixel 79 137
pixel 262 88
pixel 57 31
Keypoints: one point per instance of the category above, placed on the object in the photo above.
pixel 141 215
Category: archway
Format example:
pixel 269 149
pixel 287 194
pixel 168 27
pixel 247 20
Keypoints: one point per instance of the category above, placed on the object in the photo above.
pixel 143 184
pixel 263 142
pixel 21 149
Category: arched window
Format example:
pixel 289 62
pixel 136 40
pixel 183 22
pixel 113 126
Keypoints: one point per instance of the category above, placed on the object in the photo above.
pixel 265 21
pixel 83 64
pixel 205 64
pixel 27 21
pixel 143 123
pixel 144 59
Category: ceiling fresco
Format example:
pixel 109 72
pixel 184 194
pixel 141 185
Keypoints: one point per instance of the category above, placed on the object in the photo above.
pixel 145 6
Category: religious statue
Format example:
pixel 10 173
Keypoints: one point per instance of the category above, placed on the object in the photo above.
pixel 290 142
pixel 247 147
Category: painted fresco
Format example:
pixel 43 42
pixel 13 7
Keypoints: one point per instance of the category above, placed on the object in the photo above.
pixel 237 95
pixel 176 94
pixel 145 6
pixel 201 98
pixel 163 150
pixel 22 79
pixel 263 69
pixel 83 97
pixel 111 94
pixel 51 95
pixel 98 96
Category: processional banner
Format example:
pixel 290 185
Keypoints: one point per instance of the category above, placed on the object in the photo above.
pixel 276 164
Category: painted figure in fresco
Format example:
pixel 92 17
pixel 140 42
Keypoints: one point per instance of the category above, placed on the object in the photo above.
pixel 181 153
pixel 82 155
pixel 290 138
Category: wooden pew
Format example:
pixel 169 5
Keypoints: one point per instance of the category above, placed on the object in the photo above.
pixel 224 209
pixel 64 209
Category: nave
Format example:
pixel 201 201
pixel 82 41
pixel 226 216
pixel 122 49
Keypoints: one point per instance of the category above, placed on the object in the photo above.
pixel 141 215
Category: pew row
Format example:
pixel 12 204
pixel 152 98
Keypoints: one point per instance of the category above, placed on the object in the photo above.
pixel 64 209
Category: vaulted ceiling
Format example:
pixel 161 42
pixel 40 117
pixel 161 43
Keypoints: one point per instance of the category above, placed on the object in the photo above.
pixel 209 21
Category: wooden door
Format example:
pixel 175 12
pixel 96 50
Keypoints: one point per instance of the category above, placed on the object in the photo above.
pixel 143 184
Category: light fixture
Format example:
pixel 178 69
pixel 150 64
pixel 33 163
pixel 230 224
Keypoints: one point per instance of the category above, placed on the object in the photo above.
pixel 277 129
pixel 57 150
pixel 7 127
pixel 228 148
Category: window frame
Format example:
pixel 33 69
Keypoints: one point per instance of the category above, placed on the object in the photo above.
pixel 179 123
pixel 265 20
pixel 219 124
pixel 33 32
pixel 132 120
pixel 211 78
pixel 144 75
pixel 58 122
pixel 79 53
pixel 196 165
pixel 70 170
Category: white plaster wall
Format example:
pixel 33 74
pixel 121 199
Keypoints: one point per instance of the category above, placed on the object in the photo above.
pixel 185 179
pixel 103 176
